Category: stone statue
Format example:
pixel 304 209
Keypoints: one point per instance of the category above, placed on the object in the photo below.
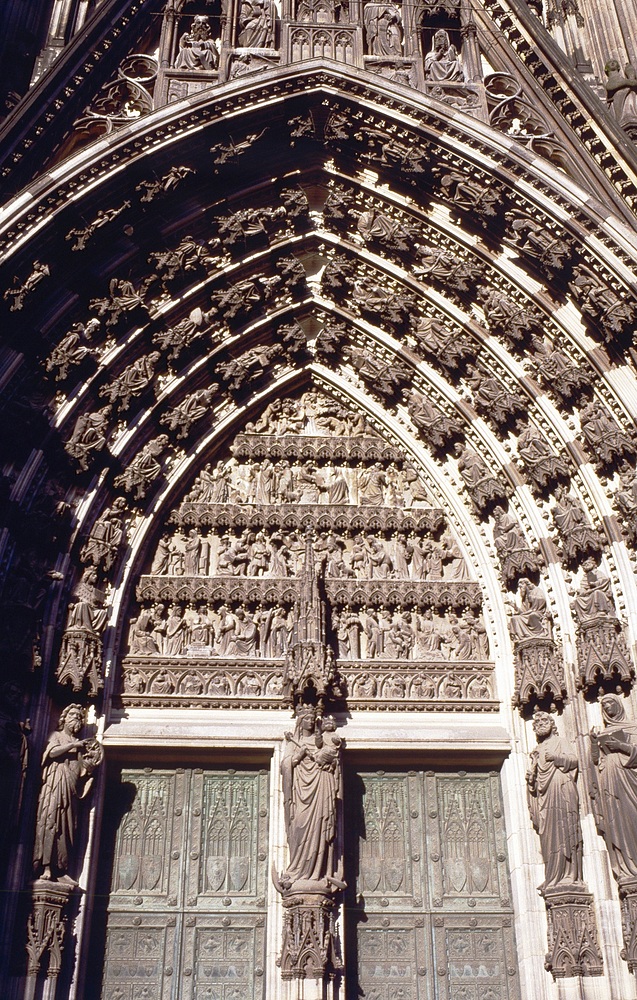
pixel 105 538
pixel 539 672
pixel 481 485
pixel 72 349
pixel 542 465
pixel 531 619
pixel 554 803
pixel 132 381
pixel 67 775
pixel 383 29
pixel 257 20
pixel 197 48
pixel 577 535
pixel 312 794
pixel 614 753
pixel 19 291
pixel 442 62
pixel 505 317
pixel 605 441
pixel 492 399
pixel 516 558
pixel 601 648
pixel 558 372
pixel 144 468
pixel 89 434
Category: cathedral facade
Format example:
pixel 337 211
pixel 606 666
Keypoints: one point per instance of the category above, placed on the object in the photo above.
pixel 319 500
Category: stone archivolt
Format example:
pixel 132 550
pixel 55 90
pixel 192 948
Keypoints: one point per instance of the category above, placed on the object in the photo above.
pixel 412 339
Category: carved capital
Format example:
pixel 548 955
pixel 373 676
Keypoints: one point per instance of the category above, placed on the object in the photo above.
pixel 539 673
pixel 47 925
pixel 572 933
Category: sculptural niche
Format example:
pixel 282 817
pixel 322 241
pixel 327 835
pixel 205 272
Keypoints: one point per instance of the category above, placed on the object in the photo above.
pixel 442 62
pixel 197 48
pixel 383 29
pixel 68 765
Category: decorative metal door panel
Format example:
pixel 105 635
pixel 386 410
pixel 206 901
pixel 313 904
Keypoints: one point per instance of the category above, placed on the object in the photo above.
pixel 186 917
pixel 428 914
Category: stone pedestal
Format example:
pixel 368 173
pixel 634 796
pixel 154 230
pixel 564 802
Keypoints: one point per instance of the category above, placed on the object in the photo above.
pixel 539 674
pixel 628 896
pixel 309 948
pixel 602 653
pixel 46 929
pixel 572 933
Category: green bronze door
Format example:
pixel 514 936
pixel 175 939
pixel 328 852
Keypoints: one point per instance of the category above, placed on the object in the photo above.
pixel 428 911
pixel 185 917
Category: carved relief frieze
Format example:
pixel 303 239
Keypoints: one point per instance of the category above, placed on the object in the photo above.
pixel 270 540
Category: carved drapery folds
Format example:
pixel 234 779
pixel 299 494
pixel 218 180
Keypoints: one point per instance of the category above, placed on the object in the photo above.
pixel 614 800
pixel 554 806
pixel 312 798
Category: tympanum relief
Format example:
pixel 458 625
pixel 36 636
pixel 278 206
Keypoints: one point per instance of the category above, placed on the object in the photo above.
pixel 312 509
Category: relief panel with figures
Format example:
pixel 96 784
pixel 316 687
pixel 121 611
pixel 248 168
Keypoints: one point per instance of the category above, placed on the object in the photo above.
pixel 216 606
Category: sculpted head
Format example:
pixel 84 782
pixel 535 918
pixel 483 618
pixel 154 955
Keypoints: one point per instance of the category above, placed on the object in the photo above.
pixel 543 725
pixel 72 719
pixel 612 709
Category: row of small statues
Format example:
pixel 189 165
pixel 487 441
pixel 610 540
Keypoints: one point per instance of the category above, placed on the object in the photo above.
pixel 370 633
pixel 313 413
pixel 383 22
pixel 394 686
pixel 305 483
pixel 279 556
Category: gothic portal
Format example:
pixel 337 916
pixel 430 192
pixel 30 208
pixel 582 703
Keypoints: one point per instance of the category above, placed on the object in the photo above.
pixel 319 500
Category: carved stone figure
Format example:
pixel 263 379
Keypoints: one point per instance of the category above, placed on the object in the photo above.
pixel 451 269
pixel 442 62
pixel 375 226
pixel 614 753
pixel 68 765
pixel 606 442
pixel 539 674
pixel 385 147
pixel 189 255
pixel 183 334
pixel 13 760
pixel 105 538
pixel 516 557
pixel 493 400
pixel 80 657
pixel 338 202
pixel 621 94
pixel 312 800
pixel 170 180
pixel 450 347
pixel 505 317
pixel 383 29
pixel 614 313
pixel 144 468
pixel 122 298
pixel 384 377
pixel 132 381
pixel 470 196
pixel 197 48
pixel 601 649
pixel 257 20
pixel 482 486
pixel 558 372
pixel 577 535
pixel 542 465
pixel 533 240
pixel 102 218
pixel 554 803
pixel 435 426
pixel 19 292
pixel 89 434
pixel 72 349
pixel 626 500
pixel 194 407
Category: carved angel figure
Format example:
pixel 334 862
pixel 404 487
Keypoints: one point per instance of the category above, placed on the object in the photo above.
pixel 72 349
pixel 383 29
pixel 67 768
pixel 554 803
pixel 197 48
pixel 89 434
